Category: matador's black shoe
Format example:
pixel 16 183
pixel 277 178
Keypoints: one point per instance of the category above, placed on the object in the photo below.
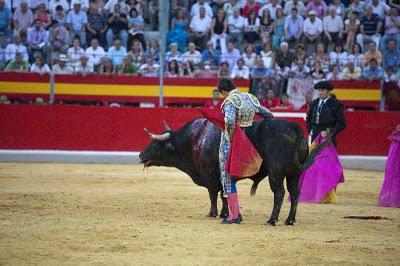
pixel 232 221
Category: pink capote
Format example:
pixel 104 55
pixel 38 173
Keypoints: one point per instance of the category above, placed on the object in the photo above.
pixel 390 191
pixel 323 175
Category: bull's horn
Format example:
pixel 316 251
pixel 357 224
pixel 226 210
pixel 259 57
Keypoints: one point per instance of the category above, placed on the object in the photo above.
pixel 160 137
pixel 167 128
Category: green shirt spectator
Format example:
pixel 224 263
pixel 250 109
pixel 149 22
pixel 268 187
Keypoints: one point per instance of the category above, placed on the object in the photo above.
pixel 17 65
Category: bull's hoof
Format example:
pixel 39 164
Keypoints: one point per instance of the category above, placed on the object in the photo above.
pixel 270 222
pixel 290 222
pixel 240 217
pixel 223 215
pixel 212 214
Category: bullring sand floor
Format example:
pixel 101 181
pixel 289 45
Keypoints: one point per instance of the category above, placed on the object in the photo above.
pixel 116 214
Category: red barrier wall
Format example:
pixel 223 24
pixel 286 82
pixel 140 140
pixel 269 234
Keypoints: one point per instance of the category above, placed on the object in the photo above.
pixel 121 129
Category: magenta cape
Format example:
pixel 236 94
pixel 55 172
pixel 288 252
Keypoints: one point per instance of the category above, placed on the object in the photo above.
pixel 243 159
pixel 324 174
pixel 390 192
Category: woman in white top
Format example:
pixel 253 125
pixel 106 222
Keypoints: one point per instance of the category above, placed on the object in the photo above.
pixel 357 56
pixel 249 56
pixel 267 55
pixel 75 52
pixel 40 66
pixel 251 27
pixel 338 56
pixel 352 25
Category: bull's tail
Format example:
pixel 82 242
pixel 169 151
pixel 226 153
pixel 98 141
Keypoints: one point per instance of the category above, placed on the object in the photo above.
pixel 254 187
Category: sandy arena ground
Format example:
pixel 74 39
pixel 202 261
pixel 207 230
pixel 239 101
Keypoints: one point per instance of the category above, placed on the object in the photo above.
pixel 116 214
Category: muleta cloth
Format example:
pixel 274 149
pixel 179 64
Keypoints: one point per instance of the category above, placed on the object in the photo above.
pixel 243 159
pixel 318 183
pixel 323 85
pixel 390 191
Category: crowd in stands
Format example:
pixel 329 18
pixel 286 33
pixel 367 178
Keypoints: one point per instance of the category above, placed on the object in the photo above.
pixel 268 41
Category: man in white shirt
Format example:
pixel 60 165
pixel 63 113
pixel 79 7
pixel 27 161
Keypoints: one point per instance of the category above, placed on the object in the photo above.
pixel 95 53
pixel 195 11
pixel 54 3
pixel 231 55
pixel 312 31
pixel 333 28
pixel 272 6
pixel 192 55
pixel 380 8
pixel 83 67
pixel 84 4
pixel 61 67
pixel 240 70
pixel 236 25
pixel 200 28
pixel 294 3
pixel 16 47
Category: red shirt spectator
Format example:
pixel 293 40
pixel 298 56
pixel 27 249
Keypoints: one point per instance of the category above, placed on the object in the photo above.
pixel 306 107
pixel 285 104
pixel 270 101
pixel 215 102
pixel 249 7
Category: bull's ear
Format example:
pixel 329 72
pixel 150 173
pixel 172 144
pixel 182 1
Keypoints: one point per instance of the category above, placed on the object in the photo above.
pixel 170 146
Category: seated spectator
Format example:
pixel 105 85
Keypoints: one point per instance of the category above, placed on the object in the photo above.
pixel 37 40
pixel 231 55
pixel 40 66
pixel 188 70
pixel 270 101
pixel 250 6
pixel 285 104
pixel 43 16
pixel 278 29
pixel 215 102
pixel 338 56
pixel 136 4
pixel 128 68
pixel 211 54
pixel 373 71
pixel 272 6
pixel 153 14
pixel 154 50
pixel 320 56
pixel 230 7
pixel 76 23
pixel 218 30
pixel 173 70
pixel 35 4
pixel 251 28
pixel 99 6
pixel 17 65
pixel 60 16
pixel 261 86
pixel 53 4
pixel 356 6
pixel 58 37
pixel 249 56
pixel 84 4
pixel 260 71
pixel 335 74
pixel 307 106
pixel 380 8
pixel 106 67
pixel 339 7
pixel 267 55
pixel 299 71
pixel 240 70
pixel 391 74
pixel 284 58
pixel 392 29
pixel 372 52
pixel 110 5
pixel 95 53
pixel 301 54
pixel 351 71
pixel 117 52
pixel 224 71
pixel 319 7
pixel 174 54
pixel 201 4
pixel 294 25
pixel 200 26
pixel 356 56
pixel 206 72
pixel 391 56
pixel 312 31
pixel 22 19
pixel 333 28
pixel 16 47
pixel 178 32
pixel 266 24
pixel 96 27
pixel 61 67
pixel 370 28
pixel 150 69
pixel 84 67
pixel 299 5
pixel 75 52
pixel 137 54
pixel 352 25
pixel 192 55
pixel 136 26
pixel 117 27
pixel 235 27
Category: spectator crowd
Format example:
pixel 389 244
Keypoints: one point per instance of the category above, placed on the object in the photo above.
pixel 268 41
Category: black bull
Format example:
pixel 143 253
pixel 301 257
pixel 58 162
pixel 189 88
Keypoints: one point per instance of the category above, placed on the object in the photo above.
pixel 194 149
